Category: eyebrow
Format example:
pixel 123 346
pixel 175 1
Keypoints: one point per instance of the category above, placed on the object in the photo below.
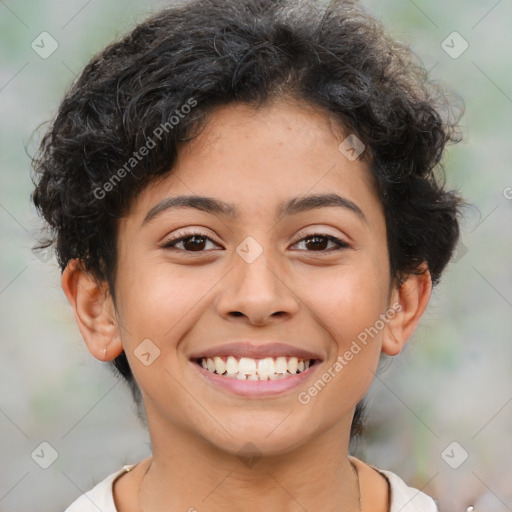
pixel 292 206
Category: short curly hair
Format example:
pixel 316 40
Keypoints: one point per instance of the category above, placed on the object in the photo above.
pixel 209 53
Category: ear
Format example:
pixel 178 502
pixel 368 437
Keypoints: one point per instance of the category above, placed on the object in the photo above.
pixel 409 301
pixel 94 311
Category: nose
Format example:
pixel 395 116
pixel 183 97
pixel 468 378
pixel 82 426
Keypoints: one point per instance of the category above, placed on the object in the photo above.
pixel 258 291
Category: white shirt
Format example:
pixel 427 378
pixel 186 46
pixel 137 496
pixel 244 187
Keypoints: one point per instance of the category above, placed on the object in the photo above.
pixel 403 498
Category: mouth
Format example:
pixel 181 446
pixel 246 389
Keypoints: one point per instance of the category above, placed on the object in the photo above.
pixel 252 369
pixel 265 369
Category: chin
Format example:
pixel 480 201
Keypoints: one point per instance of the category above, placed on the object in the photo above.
pixel 260 438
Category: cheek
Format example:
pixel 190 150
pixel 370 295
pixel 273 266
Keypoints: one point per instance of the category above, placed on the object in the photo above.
pixel 154 301
pixel 348 301
pixel 157 305
pixel 348 308
pixel 163 302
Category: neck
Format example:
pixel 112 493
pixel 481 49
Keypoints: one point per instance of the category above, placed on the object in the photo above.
pixel 189 474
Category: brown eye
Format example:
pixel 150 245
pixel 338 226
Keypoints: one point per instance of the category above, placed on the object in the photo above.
pixel 196 242
pixel 192 242
pixel 318 242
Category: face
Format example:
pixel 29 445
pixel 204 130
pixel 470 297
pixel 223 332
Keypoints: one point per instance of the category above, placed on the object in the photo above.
pixel 284 267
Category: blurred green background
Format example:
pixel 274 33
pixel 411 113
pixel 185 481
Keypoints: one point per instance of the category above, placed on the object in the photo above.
pixel 453 383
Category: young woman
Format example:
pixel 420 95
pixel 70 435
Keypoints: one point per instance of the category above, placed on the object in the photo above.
pixel 245 206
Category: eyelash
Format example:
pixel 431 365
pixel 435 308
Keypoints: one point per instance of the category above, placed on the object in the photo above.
pixel 190 234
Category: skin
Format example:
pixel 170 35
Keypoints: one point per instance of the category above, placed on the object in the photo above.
pixel 311 296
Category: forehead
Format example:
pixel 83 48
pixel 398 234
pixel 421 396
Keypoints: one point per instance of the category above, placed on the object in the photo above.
pixel 266 162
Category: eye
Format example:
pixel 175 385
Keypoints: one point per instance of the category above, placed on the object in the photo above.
pixel 193 241
pixel 321 240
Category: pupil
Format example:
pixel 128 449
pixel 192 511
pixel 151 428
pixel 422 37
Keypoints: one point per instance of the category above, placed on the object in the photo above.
pixel 322 242
pixel 196 245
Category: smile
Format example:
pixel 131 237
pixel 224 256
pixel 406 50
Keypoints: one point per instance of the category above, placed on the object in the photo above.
pixel 246 368
pixel 268 368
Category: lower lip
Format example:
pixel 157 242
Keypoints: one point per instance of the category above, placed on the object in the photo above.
pixel 257 388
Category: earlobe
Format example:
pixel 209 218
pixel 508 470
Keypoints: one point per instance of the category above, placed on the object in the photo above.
pixel 409 300
pixel 94 311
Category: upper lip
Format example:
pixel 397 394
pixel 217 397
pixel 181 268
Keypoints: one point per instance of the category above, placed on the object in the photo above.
pixel 256 351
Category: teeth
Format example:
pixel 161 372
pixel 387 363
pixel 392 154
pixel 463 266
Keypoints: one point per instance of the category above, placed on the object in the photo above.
pixel 293 364
pixel 266 367
pixel 231 365
pixel 281 366
pixel 220 365
pixel 247 368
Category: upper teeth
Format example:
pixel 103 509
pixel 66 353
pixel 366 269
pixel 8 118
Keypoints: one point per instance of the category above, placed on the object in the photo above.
pixel 255 369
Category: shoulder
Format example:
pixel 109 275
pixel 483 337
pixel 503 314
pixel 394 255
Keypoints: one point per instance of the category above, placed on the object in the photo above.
pixel 407 499
pixel 100 497
pixel 390 488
